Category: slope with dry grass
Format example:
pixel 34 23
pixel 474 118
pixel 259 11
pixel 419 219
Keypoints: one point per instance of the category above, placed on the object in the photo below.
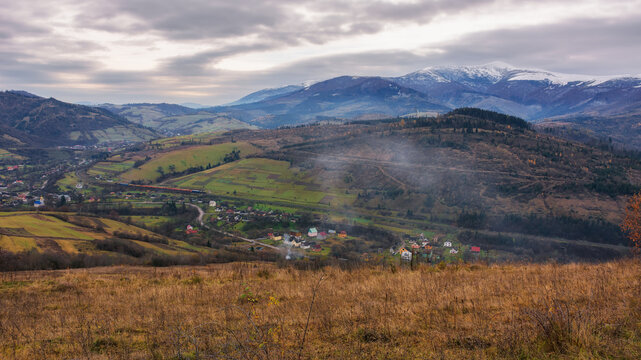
pixel 260 311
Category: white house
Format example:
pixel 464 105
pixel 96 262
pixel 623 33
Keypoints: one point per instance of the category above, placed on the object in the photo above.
pixel 312 232
pixel 453 251
pixel 212 203
pixel 447 244
pixel 406 256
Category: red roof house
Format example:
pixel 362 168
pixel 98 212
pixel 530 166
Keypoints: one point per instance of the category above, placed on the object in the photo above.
pixel 475 249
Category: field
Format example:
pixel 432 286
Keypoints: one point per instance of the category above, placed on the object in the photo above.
pixel 200 123
pixel 260 311
pixel 264 180
pixel 185 158
pixel 68 182
pixel 72 234
pixel 109 168
pixel 6 155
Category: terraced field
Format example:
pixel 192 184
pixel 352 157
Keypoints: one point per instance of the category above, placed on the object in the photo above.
pixel 6 155
pixel 264 179
pixel 72 234
pixel 185 158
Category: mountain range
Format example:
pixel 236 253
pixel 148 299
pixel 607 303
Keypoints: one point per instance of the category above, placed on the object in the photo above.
pixel 531 94
pixel 597 107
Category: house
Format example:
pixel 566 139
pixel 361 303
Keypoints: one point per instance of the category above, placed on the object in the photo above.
pixel 331 231
pixel 342 234
pixel 453 251
pixel 190 230
pixel 415 246
pixel 447 244
pixel 39 202
pixel 406 255
pixel 277 238
pixel 305 245
pixel 287 240
pixel 312 232
pixel 475 249
pixel 316 248
pixel 212 203
pixel 295 242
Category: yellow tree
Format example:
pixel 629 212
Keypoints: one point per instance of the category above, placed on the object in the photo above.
pixel 631 225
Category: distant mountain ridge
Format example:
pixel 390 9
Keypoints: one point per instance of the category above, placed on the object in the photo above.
pixel 345 97
pixel 33 121
pixel 173 119
pixel 607 105
pixel 528 93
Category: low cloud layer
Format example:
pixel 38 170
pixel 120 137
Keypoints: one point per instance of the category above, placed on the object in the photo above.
pixel 212 52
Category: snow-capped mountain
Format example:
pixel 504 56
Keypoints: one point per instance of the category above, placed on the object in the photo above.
pixel 532 94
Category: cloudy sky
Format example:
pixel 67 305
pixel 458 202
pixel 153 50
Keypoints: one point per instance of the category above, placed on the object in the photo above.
pixel 215 51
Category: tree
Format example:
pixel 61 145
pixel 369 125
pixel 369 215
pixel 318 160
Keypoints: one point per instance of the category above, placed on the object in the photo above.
pixel 160 171
pixel 172 168
pixel 631 225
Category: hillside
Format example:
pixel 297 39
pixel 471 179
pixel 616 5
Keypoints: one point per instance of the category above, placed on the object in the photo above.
pixel 175 119
pixel 32 121
pixel 261 311
pixel 523 194
pixel 51 240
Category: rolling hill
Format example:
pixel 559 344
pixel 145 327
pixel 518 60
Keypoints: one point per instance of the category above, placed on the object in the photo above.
pixel 174 119
pixel 469 168
pixel 63 237
pixel 27 120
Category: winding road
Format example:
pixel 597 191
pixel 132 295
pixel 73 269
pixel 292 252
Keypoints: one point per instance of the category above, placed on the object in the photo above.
pixel 201 214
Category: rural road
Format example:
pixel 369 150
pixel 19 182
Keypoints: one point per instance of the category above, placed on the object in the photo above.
pixel 201 213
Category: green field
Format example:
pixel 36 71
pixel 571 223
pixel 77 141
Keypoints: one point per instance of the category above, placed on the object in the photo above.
pixel 264 180
pixel 68 182
pixel 109 168
pixel 149 220
pixel 185 158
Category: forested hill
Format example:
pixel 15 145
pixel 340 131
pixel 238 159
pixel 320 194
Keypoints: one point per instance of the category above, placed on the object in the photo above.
pixel 32 121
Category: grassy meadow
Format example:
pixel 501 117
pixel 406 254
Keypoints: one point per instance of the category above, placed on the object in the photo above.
pixel 261 311
pixel 185 158
pixel 266 180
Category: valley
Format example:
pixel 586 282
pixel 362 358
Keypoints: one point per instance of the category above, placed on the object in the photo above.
pixel 466 178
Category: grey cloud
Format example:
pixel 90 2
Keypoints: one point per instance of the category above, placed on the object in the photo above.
pixel 590 46
pixel 276 20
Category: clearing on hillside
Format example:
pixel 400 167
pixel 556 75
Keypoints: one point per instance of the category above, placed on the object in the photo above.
pixel 183 159
pixel 264 179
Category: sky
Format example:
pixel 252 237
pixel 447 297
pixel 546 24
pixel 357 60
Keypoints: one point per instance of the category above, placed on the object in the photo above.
pixel 216 51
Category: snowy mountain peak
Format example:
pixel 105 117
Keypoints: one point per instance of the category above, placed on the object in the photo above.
pixel 492 72
pixel 496 71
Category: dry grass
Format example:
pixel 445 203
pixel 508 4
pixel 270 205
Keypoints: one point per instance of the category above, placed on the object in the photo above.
pixel 259 311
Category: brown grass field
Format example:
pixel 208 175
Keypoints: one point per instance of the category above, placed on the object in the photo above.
pixel 261 311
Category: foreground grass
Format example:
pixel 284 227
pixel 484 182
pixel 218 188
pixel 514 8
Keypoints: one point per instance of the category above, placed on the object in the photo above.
pixel 255 311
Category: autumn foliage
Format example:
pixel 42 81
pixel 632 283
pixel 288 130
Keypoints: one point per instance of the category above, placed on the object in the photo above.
pixel 631 225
